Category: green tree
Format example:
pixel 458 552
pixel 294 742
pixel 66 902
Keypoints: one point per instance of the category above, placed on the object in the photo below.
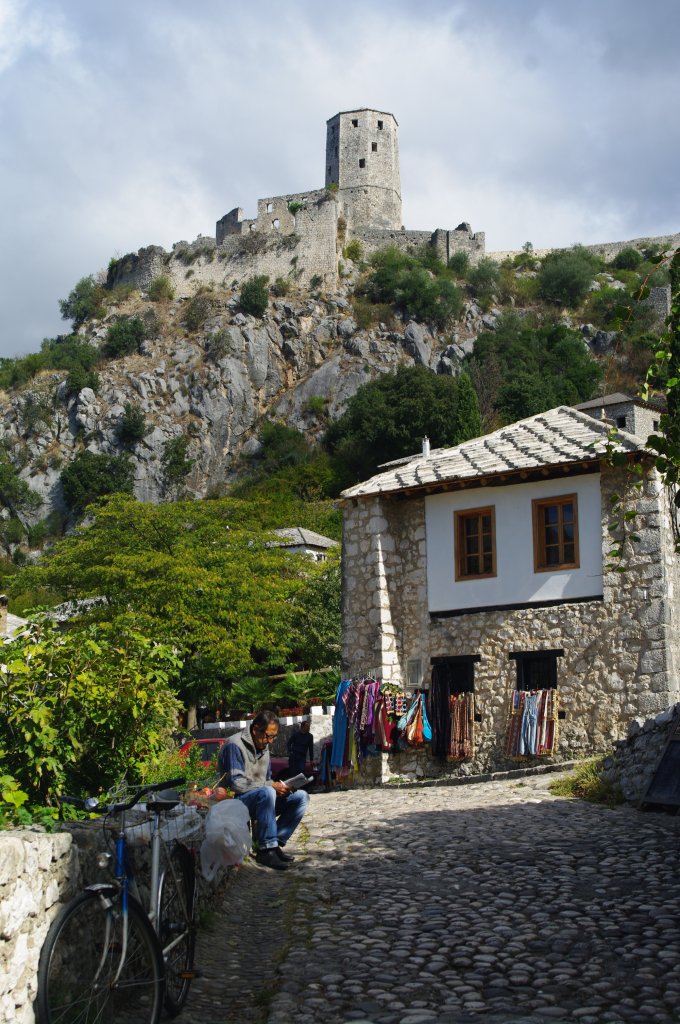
pixel 254 297
pixel 85 302
pixel 93 475
pixel 484 280
pixel 132 427
pixel 627 259
pixel 175 463
pixel 81 708
pixel 161 289
pixel 15 494
pixel 554 368
pixel 566 275
pixel 79 378
pixel 419 287
pixel 319 616
pixel 459 263
pixel 205 575
pixel 467 421
pixel 125 337
pixel 197 311
pixel 387 419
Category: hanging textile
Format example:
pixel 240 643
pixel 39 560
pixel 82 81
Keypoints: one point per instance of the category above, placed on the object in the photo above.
pixel 354 722
pixel 340 723
pixel 462 716
pixel 384 728
pixel 439 709
pixel 395 703
pixel 417 728
pixel 532 723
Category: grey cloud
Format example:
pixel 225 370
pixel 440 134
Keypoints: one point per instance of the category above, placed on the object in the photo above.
pixel 132 124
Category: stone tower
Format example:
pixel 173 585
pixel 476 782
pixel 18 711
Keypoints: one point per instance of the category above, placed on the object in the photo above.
pixel 362 159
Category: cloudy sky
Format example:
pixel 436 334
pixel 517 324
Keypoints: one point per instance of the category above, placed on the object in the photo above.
pixel 133 123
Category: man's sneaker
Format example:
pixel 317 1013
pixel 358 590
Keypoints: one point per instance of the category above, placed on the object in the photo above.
pixel 285 857
pixel 271 859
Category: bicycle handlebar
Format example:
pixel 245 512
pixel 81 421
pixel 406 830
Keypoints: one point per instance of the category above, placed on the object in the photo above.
pixel 92 802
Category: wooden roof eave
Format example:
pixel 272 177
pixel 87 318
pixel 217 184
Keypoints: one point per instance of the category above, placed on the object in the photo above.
pixel 498 479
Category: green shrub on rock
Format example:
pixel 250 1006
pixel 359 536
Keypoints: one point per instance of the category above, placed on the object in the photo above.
pixel 254 296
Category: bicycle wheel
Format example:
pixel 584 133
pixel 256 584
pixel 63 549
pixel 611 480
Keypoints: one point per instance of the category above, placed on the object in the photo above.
pixel 79 962
pixel 176 926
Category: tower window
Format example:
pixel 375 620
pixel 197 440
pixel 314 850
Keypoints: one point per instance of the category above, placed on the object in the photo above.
pixel 336 151
pixel 276 224
pixel 374 147
pixel 330 171
pixel 380 126
pixel 270 207
pixel 362 163
pixel 355 123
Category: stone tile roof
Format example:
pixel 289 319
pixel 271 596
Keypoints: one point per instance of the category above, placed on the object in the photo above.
pixel 558 437
pixel 618 398
pixel 294 535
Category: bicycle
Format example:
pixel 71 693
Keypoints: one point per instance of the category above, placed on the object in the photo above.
pixel 105 959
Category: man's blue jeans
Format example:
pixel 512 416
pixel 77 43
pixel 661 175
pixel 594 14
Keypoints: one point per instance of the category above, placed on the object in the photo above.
pixel 265 807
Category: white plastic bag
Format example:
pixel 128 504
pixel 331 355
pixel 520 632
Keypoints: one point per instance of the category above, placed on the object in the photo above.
pixel 227 837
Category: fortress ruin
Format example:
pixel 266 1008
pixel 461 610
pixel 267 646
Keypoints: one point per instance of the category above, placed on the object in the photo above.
pixel 300 237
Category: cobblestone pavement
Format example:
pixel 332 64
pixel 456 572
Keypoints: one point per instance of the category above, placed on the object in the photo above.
pixel 485 903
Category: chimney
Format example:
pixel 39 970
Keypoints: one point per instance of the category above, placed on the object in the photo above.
pixel 426 447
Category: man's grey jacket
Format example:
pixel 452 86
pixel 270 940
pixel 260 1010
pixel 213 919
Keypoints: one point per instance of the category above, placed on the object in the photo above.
pixel 242 765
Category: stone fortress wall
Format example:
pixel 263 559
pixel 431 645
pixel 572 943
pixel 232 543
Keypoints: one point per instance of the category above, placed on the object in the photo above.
pixel 300 236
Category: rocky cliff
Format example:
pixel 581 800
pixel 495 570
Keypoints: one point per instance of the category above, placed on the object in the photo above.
pixel 300 362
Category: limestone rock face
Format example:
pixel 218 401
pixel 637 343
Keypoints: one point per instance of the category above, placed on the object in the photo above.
pixel 212 386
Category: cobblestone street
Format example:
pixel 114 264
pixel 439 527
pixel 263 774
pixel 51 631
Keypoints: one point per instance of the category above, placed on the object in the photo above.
pixel 494 902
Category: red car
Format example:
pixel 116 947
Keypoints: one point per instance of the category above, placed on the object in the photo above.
pixel 210 749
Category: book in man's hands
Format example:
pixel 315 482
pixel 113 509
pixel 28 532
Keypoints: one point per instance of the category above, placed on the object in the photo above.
pixel 298 781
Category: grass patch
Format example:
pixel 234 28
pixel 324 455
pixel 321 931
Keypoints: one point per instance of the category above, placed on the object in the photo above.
pixel 587 783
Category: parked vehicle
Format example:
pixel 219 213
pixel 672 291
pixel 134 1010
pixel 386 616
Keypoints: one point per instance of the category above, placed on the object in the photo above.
pixel 209 750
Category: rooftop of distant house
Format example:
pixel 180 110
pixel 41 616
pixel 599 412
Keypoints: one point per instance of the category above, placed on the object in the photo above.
pixel 297 536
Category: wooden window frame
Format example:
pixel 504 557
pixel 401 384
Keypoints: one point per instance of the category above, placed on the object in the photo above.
pixel 540 563
pixel 525 660
pixel 459 519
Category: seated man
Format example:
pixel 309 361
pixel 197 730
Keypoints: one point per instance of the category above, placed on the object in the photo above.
pixel 244 761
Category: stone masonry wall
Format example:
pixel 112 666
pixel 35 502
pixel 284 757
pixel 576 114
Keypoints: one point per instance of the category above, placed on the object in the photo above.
pixel 620 653
pixel 608 250
pixel 307 252
pixel 445 242
pixel 36 871
pixel 636 758
pixel 39 872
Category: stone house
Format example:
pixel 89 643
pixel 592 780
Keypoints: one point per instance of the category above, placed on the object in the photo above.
pixel 492 558
pixel 301 541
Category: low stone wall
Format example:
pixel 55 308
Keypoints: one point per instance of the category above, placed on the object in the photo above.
pixel 321 727
pixel 37 871
pixel 416 764
pixel 40 872
pixel 635 759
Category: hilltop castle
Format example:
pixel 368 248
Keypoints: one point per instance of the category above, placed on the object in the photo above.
pixel 301 236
